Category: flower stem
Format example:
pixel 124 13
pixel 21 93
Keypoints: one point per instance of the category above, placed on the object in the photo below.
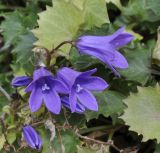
pixel 109 142
pixel 104 127
pixel 60 45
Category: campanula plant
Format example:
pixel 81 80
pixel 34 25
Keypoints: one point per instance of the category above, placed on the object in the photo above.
pixel 87 105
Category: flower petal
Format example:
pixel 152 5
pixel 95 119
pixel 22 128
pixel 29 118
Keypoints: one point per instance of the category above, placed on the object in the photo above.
pixel 33 134
pixel 87 73
pixel 97 41
pixel 30 87
pixel 88 100
pixel 103 48
pixel 41 72
pixel 65 74
pixel 91 42
pixel 122 40
pixel 28 138
pixel 31 137
pixel 52 101
pixel 21 81
pixel 35 99
pixel 103 58
pixel 117 33
pixel 119 61
pixel 73 100
pixel 58 85
pixel 93 83
pixel 79 107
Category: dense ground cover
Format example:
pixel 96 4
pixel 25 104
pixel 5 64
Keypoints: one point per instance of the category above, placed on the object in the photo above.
pixel 99 94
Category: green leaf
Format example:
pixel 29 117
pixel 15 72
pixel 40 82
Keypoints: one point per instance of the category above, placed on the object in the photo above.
pixel 65 140
pixel 24 47
pixel 15 31
pixel 22 68
pixel 68 144
pixel 62 22
pixel 95 13
pixel 78 3
pixel 143 10
pixel 143 112
pixel 109 102
pixel 139 60
pixel 2 141
pixel 11 137
pixel 45 139
pixel 12 27
pixel 3 101
pixel 157 148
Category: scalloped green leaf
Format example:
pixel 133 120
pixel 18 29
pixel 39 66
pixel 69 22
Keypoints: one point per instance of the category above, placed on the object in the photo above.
pixel 143 112
pixel 57 24
pixel 62 22
pixel 24 48
pixel 109 103
pixel 12 27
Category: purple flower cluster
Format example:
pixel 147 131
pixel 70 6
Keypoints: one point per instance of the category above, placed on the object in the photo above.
pixel 45 88
pixel 70 88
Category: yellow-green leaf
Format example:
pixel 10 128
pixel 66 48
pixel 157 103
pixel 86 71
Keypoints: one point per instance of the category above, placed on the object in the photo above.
pixel 11 137
pixel 62 21
pixel 143 112
pixel 2 141
pixel 95 13
pixel 57 24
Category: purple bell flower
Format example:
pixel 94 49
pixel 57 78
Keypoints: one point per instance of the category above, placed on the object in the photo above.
pixel 32 138
pixel 79 86
pixel 21 81
pixel 44 88
pixel 79 107
pixel 104 48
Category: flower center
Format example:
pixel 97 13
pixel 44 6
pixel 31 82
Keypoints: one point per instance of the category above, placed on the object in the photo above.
pixel 45 88
pixel 78 88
